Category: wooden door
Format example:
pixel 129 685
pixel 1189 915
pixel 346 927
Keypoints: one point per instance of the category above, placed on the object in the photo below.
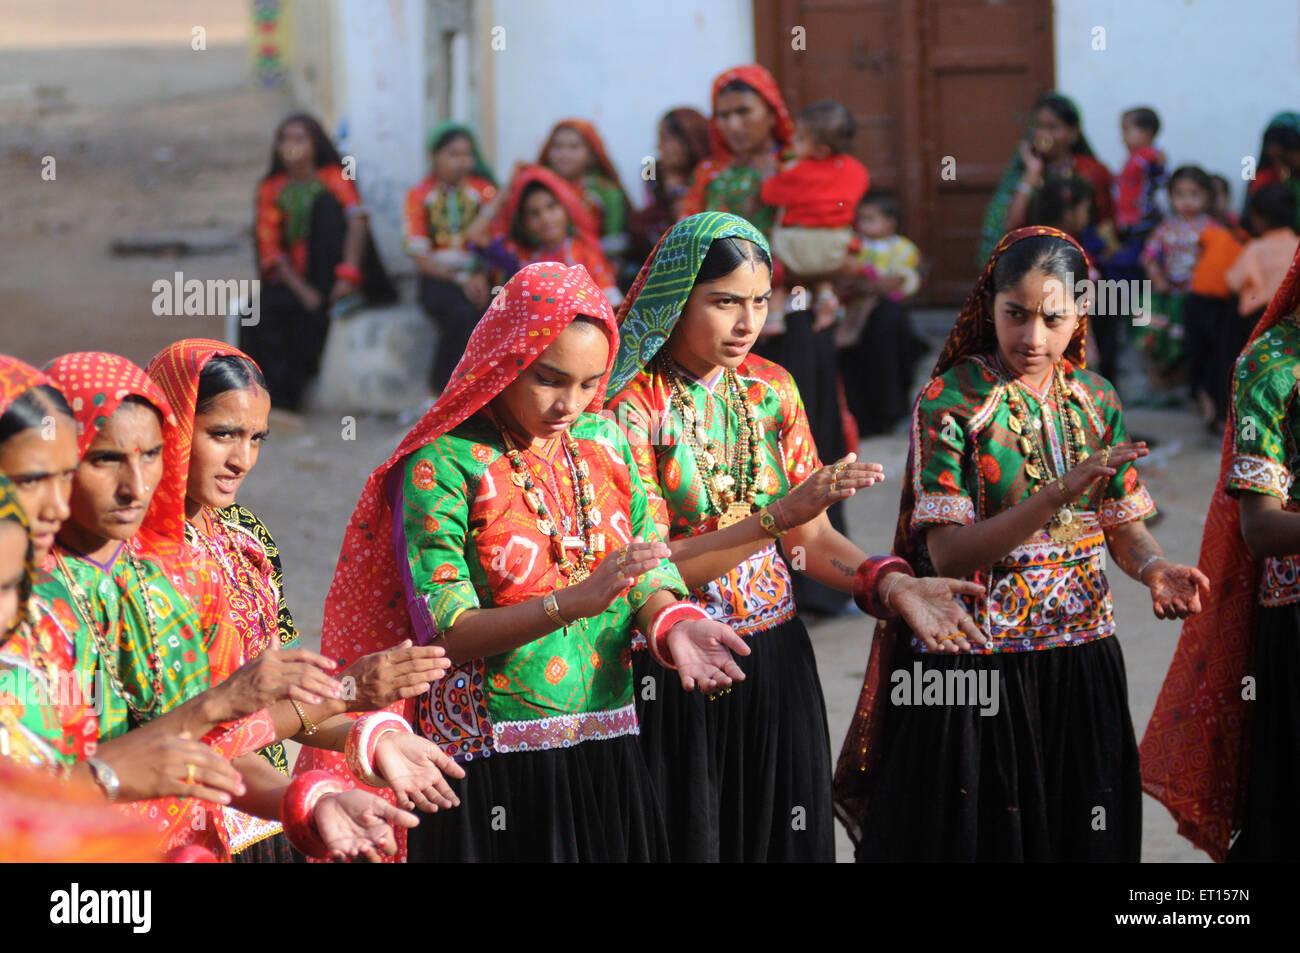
pixel 927 80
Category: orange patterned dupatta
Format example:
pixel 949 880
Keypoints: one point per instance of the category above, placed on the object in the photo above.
pixel 365 610
pixel 252 606
pixel 1194 751
pixel 972 333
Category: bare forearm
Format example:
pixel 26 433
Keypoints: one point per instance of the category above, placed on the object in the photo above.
pixel 1268 529
pixel 701 559
pixel 265 786
pixel 824 553
pixel 1017 211
pixel 958 551
pixel 1132 547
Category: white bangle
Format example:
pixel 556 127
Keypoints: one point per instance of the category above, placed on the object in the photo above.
pixel 1145 566
pixel 361 740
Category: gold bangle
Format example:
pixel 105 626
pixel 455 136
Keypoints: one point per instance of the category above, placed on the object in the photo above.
pixel 308 726
pixel 769 524
pixel 552 607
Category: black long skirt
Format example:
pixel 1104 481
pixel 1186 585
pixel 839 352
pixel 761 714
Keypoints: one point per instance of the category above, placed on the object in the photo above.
pixel 445 303
pixel 1051 776
pixel 275 849
pixel 1269 831
pixel 288 340
pixel 747 776
pixel 879 369
pixel 592 802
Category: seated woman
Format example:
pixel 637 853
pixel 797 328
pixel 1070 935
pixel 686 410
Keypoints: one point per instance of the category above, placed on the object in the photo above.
pixel 314 251
pixel 454 285
pixel 512 527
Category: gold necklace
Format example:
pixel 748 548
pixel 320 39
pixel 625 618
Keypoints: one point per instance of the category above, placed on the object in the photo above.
pixel 1065 526
pixel 731 499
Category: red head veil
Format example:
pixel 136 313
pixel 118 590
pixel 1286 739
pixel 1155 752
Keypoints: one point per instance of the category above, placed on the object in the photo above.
pixel 16 379
pixel 365 610
pixel 95 385
pixel 972 333
pixel 175 369
pixel 579 217
pixel 1194 749
pixel 592 138
pixel 761 81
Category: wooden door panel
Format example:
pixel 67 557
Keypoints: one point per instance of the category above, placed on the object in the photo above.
pixel 925 79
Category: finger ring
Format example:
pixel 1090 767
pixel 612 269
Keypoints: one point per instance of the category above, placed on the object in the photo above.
pixel 833 485
pixel 622 558
pixel 189 773
pixel 1105 456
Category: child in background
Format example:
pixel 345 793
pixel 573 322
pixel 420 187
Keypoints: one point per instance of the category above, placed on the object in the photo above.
pixel 876 317
pixel 542 218
pixel 453 285
pixel 1214 337
pixel 817 194
pixel 1064 202
pixel 1221 206
pixel 1258 271
pixel 1136 212
pixel 1168 258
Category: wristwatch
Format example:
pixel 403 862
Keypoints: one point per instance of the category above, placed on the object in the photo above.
pixel 768 522
pixel 105 777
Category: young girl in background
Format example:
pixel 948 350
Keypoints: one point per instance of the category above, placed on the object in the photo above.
pixel 1168 258
pixel 575 152
pixel 543 219
pixel 454 286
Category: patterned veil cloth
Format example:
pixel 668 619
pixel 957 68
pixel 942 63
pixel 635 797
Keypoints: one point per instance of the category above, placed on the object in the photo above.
pixel 1194 751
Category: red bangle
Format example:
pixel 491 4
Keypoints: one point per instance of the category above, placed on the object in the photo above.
pixel 866 583
pixel 348 272
pixel 657 639
pixel 298 806
pixel 363 737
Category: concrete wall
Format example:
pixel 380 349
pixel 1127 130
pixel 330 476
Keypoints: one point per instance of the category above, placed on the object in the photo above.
pixel 1215 71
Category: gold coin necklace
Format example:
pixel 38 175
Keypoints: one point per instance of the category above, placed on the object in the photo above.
pixel 1065 527
pixel 731 498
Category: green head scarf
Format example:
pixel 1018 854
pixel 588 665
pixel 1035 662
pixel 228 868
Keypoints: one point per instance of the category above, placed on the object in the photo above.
pixel 655 301
pixel 481 168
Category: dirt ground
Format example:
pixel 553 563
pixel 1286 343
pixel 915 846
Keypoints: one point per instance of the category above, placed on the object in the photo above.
pixel 155 136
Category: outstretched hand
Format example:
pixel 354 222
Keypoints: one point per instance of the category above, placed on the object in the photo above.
pixel 702 651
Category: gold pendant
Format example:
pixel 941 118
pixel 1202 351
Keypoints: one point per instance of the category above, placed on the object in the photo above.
pixel 1016 426
pixel 1065 528
pixel 518 479
pixel 1033 472
pixel 733 514
pixel 546 527
pixel 1026 446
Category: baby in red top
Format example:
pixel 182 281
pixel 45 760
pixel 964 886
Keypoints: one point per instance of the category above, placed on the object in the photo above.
pixel 818 195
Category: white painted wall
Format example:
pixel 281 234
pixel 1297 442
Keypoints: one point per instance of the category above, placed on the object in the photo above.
pixel 1214 70
pixel 619 64
pixel 380 95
